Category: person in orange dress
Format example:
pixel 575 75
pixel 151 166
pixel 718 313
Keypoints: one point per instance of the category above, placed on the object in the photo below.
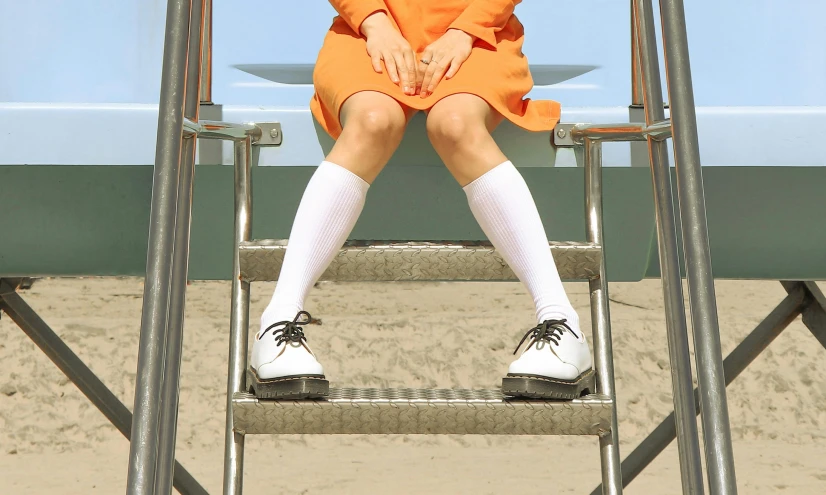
pixel 461 62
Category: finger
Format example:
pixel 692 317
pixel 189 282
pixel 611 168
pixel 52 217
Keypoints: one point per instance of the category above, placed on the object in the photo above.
pixel 455 65
pixel 420 69
pixel 428 74
pixel 390 63
pixel 376 60
pixel 410 62
pixel 436 76
pixel 454 68
pixel 427 55
pixel 429 78
pixel 401 67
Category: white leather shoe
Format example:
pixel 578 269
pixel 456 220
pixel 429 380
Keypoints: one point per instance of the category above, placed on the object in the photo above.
pixel 556 364
pixel 282 365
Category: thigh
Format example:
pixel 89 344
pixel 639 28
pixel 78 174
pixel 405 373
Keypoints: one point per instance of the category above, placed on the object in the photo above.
pixel 373 126
pixel 365 103
pixel 467 107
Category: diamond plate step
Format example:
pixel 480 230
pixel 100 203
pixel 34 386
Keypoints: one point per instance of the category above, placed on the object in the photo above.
pixel 395 261
pixel 421 411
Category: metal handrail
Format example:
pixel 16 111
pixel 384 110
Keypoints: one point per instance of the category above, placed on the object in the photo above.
pixel 211 129
pixel 566 135
pixel 155 317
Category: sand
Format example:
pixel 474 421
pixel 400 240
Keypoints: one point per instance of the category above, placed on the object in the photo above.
pixel 384 335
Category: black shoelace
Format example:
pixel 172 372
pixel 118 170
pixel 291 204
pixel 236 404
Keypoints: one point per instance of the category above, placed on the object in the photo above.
pixel 549 331
pixel 290 331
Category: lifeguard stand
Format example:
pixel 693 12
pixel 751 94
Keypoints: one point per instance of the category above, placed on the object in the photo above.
pixel 42 238
pixel 186 82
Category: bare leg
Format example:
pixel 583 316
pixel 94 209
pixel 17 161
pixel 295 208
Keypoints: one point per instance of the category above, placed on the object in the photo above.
pixel 459 127
pixel 332 202
pixel 374 125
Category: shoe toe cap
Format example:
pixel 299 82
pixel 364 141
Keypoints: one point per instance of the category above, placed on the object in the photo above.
pixel 543 363
pixel 293 361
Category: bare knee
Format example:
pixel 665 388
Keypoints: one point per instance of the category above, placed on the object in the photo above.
pixel 459 128
pixel 377 124
pixel 373 128
pixel 453 129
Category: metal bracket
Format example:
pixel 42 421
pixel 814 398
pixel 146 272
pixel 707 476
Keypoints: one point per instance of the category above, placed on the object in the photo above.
pixel 13 284
pixel 271 134
pixel 562 136
pixel 572 135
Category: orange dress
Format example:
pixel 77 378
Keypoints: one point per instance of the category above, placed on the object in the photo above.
pixel 496 70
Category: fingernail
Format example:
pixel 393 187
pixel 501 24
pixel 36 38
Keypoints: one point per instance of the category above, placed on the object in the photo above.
pixel 406 90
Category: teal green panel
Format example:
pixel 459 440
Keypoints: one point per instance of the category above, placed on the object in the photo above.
pixel 74 220
pixel 425 203
pixel 763 222
pixel 93 220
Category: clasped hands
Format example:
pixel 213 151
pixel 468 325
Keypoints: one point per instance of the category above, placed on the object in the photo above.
pixel 415 75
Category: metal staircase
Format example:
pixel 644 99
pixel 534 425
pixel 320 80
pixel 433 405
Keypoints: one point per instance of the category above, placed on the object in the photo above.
pixel 422 411
pixel 425 411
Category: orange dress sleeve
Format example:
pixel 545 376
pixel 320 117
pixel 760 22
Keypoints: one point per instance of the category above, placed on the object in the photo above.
pixel 354 12
pixel 484 18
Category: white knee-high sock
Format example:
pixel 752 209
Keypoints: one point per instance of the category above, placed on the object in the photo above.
pixel 329 208
pixel 504 207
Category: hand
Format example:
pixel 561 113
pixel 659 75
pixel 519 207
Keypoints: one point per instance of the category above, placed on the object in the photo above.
pixel 386 43
pixel 445 56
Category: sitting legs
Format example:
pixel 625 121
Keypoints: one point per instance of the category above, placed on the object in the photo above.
pixel 281 360
pixel 556 361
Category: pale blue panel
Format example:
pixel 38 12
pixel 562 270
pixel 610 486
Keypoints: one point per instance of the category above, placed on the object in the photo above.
pixel 744 53
pixel 124 134
pixel 77 134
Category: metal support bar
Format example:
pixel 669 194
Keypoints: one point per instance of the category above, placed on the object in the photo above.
pixel 814 315
pixel 227 130
pixel 177 303
pixel 701 293
pixel 261 133
pixel 636 112
pixel 84 379
pixel 143 450
pixel 180 267
pixel 687 436
pixel 636 79
pixel 737 361
pixel 239 322
pixel 205 86
pixel 601 319
pixel 566 135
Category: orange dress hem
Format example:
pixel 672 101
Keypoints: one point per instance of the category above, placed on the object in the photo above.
pixel 496 72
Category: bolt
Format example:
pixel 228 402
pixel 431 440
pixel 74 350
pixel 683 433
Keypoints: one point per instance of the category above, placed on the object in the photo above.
pixel 561 133
pixel 274 133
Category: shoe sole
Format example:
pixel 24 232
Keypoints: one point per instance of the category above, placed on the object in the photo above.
pixel 288 387
pixel 542 387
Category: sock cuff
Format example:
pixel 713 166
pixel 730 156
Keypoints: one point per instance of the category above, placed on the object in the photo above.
pixel 491 179
pixel 344 175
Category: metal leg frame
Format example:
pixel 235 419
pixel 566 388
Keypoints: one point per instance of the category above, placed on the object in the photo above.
pixel 163 300
pixel 236 382
pixel 701 294
pixel 804 298
pixel 687 435
pixel 177 303
pixel 601 319
pixel 76 370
